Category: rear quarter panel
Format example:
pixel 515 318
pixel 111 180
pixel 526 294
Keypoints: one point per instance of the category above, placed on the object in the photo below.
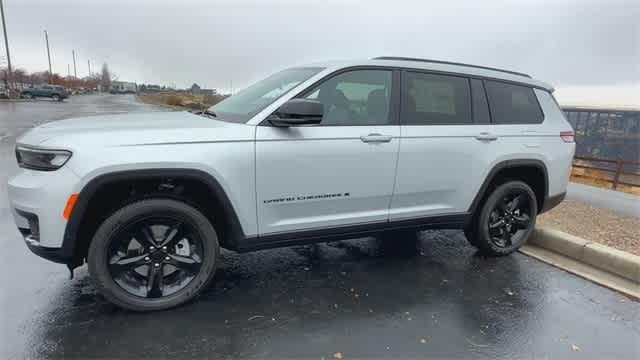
pixel 538 142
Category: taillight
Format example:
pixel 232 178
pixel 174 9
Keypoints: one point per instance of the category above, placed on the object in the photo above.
pixel 568 136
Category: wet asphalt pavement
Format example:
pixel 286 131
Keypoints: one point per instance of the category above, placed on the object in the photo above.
pixel 354 297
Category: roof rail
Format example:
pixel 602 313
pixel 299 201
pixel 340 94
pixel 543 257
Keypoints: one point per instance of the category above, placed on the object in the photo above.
pixel 449 63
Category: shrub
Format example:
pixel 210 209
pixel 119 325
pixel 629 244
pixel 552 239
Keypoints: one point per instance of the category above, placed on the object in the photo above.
pixel 173 100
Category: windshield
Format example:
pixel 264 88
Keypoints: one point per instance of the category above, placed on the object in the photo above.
pixel 242 106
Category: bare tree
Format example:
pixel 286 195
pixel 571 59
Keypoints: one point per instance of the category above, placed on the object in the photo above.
pixel 20 77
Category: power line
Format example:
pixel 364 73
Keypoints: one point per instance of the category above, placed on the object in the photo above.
pixel 46 37
pixel 6 41
pixel 75 72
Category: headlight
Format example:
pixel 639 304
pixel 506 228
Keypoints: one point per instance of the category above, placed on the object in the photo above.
pixel 41 159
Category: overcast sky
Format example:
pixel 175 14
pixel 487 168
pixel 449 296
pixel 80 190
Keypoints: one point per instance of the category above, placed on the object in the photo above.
pixel 586 49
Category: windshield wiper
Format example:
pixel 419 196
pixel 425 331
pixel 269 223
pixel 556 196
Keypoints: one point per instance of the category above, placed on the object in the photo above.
pixel 211 113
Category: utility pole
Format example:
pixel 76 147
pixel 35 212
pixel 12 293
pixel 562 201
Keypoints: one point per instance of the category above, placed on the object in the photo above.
pixel 6 41
pixel 75 73
pixel 89 65
pixel 68 70
pixel 46 37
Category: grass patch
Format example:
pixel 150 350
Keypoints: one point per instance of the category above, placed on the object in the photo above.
pixel 181 101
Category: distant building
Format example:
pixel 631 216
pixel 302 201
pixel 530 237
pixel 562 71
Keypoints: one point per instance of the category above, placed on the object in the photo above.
pixel 611 132
pixel 197 90
pixel 123 87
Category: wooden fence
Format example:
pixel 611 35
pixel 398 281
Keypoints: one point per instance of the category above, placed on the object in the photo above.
pixel 616 175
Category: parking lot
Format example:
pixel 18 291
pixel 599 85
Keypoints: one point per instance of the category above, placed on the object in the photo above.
pixel 356 298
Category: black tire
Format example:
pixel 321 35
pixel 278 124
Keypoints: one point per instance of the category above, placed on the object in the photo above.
pixel 127 221
pixel 56 97
pixel 504 224
pixel 27 95
pixel 470 234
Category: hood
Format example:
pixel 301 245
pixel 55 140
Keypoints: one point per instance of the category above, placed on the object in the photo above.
pixel 130 129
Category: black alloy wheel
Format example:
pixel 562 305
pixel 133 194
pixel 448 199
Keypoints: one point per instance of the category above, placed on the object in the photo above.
pixel 155 256
pixel 506 219
pixel 510 219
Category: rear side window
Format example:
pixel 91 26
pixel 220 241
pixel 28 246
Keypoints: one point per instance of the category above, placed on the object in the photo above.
pixel 513 104
pixel 435 100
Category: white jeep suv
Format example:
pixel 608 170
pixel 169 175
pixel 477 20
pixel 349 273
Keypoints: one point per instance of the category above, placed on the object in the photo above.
pixel 316 153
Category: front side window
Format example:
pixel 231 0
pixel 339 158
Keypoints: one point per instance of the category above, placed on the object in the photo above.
pixel 359 97
pixel 243 105
pixel 513 104
pixel 430 99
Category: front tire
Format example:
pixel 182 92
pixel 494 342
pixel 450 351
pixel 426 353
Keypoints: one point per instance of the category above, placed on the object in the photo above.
pixel 56 97
pixel 506 220
pixel 153 255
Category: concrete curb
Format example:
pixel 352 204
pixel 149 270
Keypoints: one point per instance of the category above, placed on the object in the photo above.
pixel 546 244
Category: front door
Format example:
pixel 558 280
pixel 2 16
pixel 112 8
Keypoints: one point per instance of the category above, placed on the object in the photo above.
pixel 338 173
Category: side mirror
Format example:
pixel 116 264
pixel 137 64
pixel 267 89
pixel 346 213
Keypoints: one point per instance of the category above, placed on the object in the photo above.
pixel 298 112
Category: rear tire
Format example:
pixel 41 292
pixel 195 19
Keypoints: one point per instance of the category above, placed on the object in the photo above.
pixel 56 97
pixel 27 95
pixel 153 255
pixel 505 221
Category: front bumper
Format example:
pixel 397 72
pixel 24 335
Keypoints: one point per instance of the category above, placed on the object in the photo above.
pixel 37 200
pixel 59 255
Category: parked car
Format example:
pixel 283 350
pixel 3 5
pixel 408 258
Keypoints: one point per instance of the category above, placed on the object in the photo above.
pixel 315 153
pixel 55 92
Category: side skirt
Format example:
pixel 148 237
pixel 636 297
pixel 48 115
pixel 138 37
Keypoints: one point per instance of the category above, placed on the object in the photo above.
pixel 452 221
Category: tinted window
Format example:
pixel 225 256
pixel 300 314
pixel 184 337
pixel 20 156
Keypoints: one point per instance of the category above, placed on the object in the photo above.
pixel 435 100
pixel 243 105
pixel 480 106
pixel 358 97
pixel 513 104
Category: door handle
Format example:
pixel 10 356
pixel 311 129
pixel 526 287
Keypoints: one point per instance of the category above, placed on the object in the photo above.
pixel 485 136
pixel 376 138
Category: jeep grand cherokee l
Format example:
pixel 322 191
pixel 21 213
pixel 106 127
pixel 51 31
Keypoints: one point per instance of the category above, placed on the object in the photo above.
pixel 316 153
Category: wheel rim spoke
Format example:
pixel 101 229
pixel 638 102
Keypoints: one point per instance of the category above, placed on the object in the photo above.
pixel 522 221
pixel 501 206
pixel 121 264
pixel 496 225
pixel 506 237
pixel 185 263
pixel 515 203
pixel 155 282
pixel 172 235
pixel 144 235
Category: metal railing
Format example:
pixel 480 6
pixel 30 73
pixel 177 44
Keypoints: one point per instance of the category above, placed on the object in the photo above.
pixel 618 174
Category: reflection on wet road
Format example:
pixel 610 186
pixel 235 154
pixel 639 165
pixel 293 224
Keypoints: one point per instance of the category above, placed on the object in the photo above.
pixel 353 297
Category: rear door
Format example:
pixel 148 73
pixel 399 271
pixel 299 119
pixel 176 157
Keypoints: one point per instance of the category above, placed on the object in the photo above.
pixel 340 172
pixel 445 145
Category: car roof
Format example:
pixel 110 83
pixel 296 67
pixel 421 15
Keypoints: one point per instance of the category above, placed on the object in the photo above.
pixel 443 67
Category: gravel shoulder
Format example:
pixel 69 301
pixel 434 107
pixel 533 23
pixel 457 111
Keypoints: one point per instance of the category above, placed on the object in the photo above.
pixel 595 224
